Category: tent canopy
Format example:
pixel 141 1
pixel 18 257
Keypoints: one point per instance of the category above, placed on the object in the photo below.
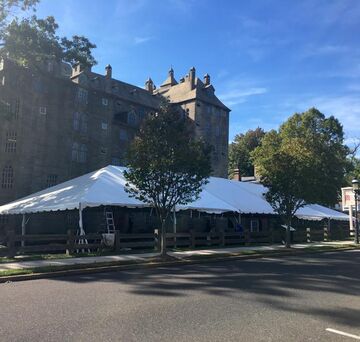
pixel 107 187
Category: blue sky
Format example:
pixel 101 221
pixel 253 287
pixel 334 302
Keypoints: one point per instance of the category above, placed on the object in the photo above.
pixel 267 59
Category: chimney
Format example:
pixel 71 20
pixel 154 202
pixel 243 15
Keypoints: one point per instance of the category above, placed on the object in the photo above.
pixel 149 85
pixel 236 175
pixel 192 77
pixel 207 79
pixel 108 71
pixel 77 69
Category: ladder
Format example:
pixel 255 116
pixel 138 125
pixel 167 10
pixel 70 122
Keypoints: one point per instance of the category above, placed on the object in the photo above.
pixel 110 225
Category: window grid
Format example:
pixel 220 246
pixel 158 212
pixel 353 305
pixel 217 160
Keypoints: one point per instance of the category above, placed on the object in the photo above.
pixel 10 143
pixel 51 180
pixel 7 181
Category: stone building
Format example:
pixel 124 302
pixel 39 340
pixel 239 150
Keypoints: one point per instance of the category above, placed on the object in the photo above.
pixel 59 122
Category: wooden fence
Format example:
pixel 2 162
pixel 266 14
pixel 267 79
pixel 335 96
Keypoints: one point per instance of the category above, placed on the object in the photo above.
pixel 70 243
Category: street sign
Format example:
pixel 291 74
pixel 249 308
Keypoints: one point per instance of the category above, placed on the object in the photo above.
pixel 348 199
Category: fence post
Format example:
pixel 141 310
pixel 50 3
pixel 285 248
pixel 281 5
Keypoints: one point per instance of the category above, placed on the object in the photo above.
pixel 247 237
pixel 117 241
pixel 70 242
pixel 193 241
pixel 11 243
pixel 326 236
pixel 308 235
pixel 271 234
pixel 222 239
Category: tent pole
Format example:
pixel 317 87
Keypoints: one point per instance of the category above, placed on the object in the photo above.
pixel 81 226
pixel 175 223
pixel 23 229
pixel 174 216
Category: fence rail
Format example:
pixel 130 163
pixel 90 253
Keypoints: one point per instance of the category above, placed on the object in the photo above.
pixel 70 243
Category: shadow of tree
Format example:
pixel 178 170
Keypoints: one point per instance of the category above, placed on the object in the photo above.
pixel 293 284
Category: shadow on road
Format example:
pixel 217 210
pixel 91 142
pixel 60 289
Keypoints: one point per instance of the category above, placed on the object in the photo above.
pixel 294 284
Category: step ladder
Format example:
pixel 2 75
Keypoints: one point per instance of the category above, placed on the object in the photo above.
pixel 110 225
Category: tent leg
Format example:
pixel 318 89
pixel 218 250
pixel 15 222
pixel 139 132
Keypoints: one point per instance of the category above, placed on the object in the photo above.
pixel 23 229
pixel 175 225
pixel 81 228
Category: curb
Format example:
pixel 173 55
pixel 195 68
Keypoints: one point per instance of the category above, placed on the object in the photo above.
pixel 149 265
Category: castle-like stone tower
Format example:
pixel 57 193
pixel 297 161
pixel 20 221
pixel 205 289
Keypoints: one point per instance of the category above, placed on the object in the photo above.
pixel 210 115
pixel 64 122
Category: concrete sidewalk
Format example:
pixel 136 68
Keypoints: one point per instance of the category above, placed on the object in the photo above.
pixel 144 256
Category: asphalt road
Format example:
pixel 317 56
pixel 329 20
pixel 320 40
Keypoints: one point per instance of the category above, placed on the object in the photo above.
pixel 271 299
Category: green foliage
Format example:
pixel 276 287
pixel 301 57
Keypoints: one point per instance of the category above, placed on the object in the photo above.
pixel 166 165
pixel 9 7
pixel 320 141
pixel 240 151
pixel 304 162
pixel 354 162
pixel 32 41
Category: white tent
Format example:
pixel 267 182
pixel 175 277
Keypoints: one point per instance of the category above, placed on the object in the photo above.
pixel 107 187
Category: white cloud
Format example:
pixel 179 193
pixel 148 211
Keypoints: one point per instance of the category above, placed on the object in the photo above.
pixel 141 40
pixel 345 108
pixel 237 96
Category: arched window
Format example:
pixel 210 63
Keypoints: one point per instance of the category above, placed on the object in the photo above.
pixel 132 118
pixel 75 152
pixel 76 121
pixel 83 154
pixel 7 181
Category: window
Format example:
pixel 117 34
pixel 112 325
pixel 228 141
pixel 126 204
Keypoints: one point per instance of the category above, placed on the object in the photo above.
pixel 254 226
pixel 123 134
pixel 16 107
pixel 42 110
pixel 10 143
pixel 83 123
pixel 104 126
pixel 132 118
pixel 7 181
pixel 208 128
pixel 4 219
pixel 75 152
pixel 104 101
pixel 51 180
pixel 76 121
pixel 82 96
pixel 217 131
pixel 50 66
pixel 141 113
pixel 83 153
pixel 79 153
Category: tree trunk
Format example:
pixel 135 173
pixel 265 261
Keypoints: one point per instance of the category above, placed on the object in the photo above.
pixel 288 233
pixel 163 239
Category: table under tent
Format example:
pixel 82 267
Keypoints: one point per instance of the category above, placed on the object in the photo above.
pixel 98 201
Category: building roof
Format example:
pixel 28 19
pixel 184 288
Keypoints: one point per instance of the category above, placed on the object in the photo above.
pixel 181 92
pixel 119 89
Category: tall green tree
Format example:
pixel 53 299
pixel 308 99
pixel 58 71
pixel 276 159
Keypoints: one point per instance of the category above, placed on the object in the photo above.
pixel 32 41
pixel 240 151
pixel 9 8
pixel 354 161
pixel 305 161
pixel 166 165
